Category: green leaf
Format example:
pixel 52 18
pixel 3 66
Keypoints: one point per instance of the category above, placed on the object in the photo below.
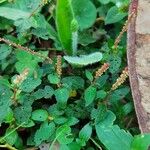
pixel 101 81
pixel 86 37
pixel 89 95
pixel 19 143
pixel 73 82
pixel 1 1
pixel 64 147
pixel 4 111
pixel 11 139
pixel 5 101
pixel 24 5
pixel 44 29
pixel 104 1
pixel 23 114
pixel 127 108
pixel 114 15
pixel 85 132
pixel 107 118
pixel 46 130
pixel 53 78
pixel 14 14
pixel 47 92
pixel 62 95
pixel 30 84
pixel 9 117
pixel 141 142
pixel 29 124
pixel 39 115
pixel 38 94
pixel 101 94
pixel 74 146
pixel 113 137
pixel 24 24
pixel 115 63
pixel 85 13
pixel 26 60
pixel 5 50
pixel 72 121
pixel 60 120
pixel 103 116
pixel 4 81
pixel 119 94
pixel 64 17
pixel 84 60
pixel 5 93
pixel 62 135
pixel 89 75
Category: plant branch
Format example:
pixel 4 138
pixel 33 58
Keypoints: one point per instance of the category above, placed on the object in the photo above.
pixel 25 49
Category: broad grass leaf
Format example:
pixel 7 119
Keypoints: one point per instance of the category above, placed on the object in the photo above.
pixel 64 17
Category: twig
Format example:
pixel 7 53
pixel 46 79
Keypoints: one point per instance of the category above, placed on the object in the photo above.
pixel 25 49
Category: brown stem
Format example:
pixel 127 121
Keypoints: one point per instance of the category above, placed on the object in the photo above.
pixel 25 49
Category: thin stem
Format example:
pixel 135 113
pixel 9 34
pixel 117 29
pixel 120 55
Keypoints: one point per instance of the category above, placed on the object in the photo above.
pixel 8 147
pixel 129 123
pixel 50 49
pixel 25 49
pixel 96 144
pixel 3 138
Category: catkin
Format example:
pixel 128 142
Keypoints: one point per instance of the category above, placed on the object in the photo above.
pixel 121 79
pixel 124 29
pixel 59 65
pixel 10 43
pixel 101 70
pixel 20 78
